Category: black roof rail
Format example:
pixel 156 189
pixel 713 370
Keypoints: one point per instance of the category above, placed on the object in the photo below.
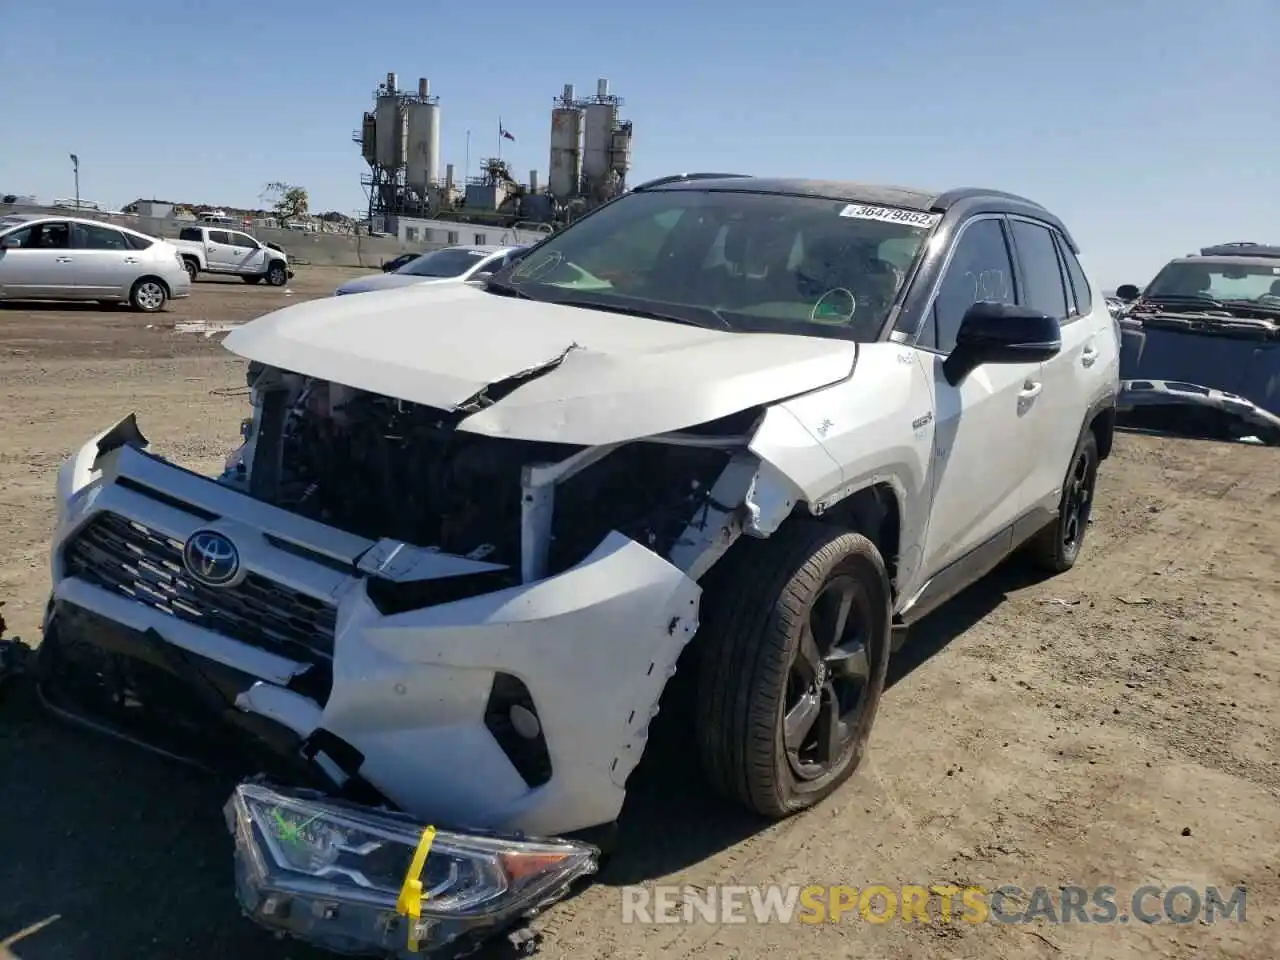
pixel 677 177
pixel 1241 248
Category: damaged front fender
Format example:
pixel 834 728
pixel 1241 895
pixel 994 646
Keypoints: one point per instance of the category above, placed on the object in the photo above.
pixel 594 647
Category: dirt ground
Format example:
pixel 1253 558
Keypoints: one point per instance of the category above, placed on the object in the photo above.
pixel 1117 725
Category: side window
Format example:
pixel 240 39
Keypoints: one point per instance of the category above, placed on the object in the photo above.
pixel 86 236
pixel 1079 282
pixel 190 233
pixel 980 269
pixel 20 238
pixel 220 236
pixel 47 236
pixel 1072 311
pixel 244 240
pixel 137 242
pixel 1042 277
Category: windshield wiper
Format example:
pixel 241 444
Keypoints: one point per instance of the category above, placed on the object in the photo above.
pixel 650 314
pixel 1260 304
pixel 505 290
pixel 1175 298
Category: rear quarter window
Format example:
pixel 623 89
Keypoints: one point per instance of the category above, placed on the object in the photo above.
pixel 1079 282
pixel 190 233
pixel 136 242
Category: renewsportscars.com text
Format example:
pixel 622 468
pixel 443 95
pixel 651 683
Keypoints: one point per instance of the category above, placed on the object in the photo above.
pixel 1105 904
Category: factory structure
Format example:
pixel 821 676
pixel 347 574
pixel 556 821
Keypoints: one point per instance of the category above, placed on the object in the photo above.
pixel 410 195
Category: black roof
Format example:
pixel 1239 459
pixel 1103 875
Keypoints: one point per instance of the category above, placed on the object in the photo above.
pixel 852 191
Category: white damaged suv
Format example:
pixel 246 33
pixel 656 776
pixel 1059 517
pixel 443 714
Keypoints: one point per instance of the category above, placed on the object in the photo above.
pixel 472 528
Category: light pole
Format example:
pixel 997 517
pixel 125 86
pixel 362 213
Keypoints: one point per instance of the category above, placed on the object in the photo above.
pixel 75 165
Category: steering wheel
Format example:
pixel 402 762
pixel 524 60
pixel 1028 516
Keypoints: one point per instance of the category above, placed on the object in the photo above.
pixel 836 306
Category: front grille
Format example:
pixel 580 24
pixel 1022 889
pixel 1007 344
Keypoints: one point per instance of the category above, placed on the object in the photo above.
pixel 125 556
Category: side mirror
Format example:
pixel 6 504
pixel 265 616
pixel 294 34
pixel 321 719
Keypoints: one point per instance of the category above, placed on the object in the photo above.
pixel 482 275
pixel 1128 292
pixel 1001 333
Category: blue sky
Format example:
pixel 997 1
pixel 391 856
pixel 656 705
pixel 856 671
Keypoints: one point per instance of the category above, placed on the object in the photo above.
pixel 1151 127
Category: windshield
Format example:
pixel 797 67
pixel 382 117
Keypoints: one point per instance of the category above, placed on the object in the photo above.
pixel 745 261
pixel 1226 279
pixel 450 262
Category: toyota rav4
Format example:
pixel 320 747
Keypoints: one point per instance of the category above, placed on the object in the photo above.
pixel 472 529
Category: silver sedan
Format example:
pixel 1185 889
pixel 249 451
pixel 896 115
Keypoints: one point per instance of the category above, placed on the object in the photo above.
pixel 69 258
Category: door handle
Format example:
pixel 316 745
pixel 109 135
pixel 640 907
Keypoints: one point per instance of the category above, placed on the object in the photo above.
pixel 63 260
pixel 130 259
pixel 1089 356
pixel 1030 390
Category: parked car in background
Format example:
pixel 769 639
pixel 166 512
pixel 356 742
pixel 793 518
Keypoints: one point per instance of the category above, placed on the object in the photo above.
pixel 395 263
pixel 1201 345
pixel 67 258
pixel 214 250
pixel 448 265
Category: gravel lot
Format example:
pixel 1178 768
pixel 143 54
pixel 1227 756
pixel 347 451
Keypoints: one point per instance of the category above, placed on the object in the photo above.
pixel 1117 725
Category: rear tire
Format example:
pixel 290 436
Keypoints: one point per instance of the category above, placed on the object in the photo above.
pixel 1057 547
pixel 775 670
pixel 193 268
pixel 277 275
pixel 148 295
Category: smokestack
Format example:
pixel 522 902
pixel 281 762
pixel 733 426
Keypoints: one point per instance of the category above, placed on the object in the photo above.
pixel 533 181
pixel 424 87
pixel 602 87
pixel 568 91
pixel 448 178
pixel 391 83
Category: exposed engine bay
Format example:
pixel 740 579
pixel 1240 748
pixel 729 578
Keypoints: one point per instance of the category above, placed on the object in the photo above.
pixel 383 468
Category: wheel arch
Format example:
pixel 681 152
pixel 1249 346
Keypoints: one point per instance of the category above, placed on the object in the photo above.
pixel 168 290
pixel 1102 421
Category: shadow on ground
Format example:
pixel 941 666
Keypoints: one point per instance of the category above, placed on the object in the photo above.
pixel 130 851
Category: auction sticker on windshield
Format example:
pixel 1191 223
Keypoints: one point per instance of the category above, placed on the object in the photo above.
pixel 862 211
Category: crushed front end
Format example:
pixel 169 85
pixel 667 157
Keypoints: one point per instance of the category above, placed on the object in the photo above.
pixel 403 624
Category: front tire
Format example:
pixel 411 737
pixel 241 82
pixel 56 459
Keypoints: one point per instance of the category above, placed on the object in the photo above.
pixel 1057 547
pixel 277 275
pixel 148 295
pixel 794 654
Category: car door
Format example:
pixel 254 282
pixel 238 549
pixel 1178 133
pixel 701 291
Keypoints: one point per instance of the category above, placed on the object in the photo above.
pixel 1046 287
pixel 218 251
pixel 985 427
pixel 105 265
pixel 35 262
pixel 247 255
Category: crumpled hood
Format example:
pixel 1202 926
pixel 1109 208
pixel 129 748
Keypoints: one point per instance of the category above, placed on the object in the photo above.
pixel 604 377
pixel 386 281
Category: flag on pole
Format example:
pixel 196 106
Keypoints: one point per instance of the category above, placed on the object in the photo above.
pixel 504 132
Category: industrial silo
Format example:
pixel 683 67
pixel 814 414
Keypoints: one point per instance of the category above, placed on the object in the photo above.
pixel 599 121
pixel 566 146
pixel 422 157
pixel 390 121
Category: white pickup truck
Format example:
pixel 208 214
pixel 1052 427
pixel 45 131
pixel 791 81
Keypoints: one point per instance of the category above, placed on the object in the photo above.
pixel 216 250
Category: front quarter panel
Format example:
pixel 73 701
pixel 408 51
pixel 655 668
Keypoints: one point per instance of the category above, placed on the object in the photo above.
pixel 878 427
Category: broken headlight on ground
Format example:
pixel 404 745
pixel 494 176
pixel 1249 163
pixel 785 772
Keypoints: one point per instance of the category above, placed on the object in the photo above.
pixel 333 874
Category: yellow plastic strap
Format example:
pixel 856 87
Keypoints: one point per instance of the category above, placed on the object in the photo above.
pixel 409 904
